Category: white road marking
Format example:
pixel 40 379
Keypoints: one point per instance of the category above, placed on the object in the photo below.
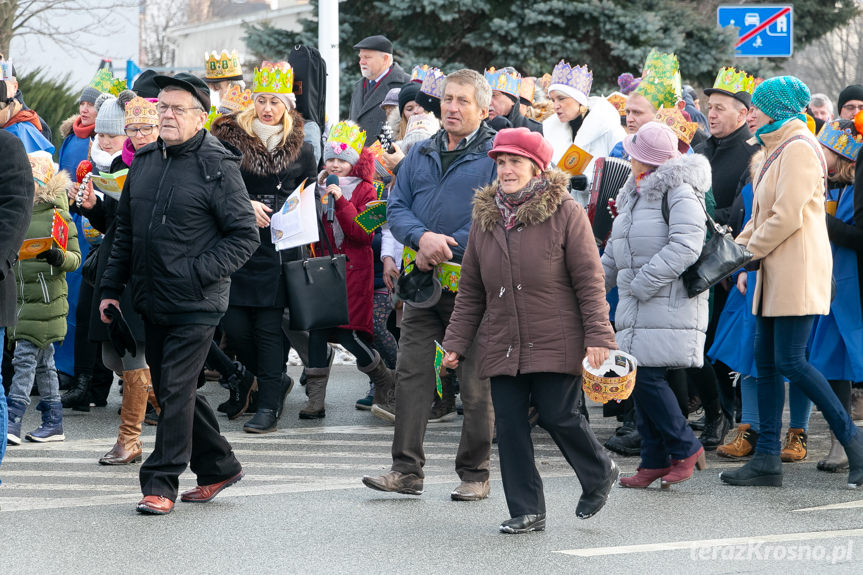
pixel 687 545
pixel 832 506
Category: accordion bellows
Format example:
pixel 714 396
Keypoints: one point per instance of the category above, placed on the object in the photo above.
pixel 609 175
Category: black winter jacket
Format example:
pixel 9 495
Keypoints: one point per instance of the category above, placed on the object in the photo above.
pixel 729 161
pixel 270 177
pixel 16 207
pixel 184 225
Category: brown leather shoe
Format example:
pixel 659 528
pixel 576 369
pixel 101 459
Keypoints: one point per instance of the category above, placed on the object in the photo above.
pixel 204 493
pixel 155 505
pixel 794 446
pixel 470 491
pixel 119 455
pixel 396 482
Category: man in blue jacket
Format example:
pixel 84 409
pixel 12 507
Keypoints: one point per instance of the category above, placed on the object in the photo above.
pixel 429 211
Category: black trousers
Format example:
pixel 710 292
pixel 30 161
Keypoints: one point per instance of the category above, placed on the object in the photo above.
pixel 255 334
pixel 556 397
pixel 188 432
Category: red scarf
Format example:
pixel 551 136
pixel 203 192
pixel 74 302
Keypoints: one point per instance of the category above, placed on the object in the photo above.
pixel 25 116
pixel 83 132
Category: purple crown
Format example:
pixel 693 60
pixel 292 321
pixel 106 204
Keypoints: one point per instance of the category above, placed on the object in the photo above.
pixel 577 77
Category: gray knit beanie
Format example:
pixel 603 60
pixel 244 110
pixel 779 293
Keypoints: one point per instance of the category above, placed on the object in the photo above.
pixel 90 94
pixel 111 113
pixel 341 151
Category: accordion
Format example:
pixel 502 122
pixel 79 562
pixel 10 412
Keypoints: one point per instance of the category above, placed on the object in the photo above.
pixel 609 175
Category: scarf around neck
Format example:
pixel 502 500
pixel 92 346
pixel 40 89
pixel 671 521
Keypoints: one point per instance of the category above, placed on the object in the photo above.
pixel 508 204
pixel 83 132
pixel 348 184
pixel 271 136
pixel 128 152
pixel 773 126
pixel 101 159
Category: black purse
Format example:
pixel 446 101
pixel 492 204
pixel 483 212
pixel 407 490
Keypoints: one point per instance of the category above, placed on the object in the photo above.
pixel 316 289
pixel 720 257
pixel 90 266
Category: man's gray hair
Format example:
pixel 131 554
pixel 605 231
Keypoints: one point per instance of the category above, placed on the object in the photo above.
pixel 175 88
pixel 465 77
pixel 821 101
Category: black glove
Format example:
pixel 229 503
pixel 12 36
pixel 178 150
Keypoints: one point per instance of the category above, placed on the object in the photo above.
pixel 578 183
pixel 119 333
pixel 53 256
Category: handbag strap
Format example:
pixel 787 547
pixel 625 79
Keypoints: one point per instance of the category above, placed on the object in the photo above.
pixel 326 238
pixel 770 159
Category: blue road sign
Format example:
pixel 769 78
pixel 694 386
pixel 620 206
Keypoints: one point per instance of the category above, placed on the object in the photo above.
pixel 764 30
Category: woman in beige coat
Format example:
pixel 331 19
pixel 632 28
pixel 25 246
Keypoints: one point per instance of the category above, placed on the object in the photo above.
pixel 788 236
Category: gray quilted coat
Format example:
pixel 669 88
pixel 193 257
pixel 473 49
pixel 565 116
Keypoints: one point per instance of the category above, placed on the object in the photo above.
pixel 656 321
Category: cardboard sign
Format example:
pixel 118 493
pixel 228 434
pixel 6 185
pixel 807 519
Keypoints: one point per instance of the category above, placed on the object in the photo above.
pixel 373 217
pixel 59 238
pixel 574 161
pixel 111 184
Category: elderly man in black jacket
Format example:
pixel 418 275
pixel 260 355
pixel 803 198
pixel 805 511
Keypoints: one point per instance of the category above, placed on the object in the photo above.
pixel 16 206
pixel 380 75
pixel 184 225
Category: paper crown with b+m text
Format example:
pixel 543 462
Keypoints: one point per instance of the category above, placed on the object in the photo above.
pixel 273 78
pixel 222 66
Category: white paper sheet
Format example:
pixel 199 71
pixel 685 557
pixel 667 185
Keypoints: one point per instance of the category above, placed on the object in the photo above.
pixel 295 224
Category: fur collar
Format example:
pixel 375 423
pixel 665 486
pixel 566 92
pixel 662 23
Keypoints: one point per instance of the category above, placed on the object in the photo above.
pixel 66 126
pixel 533 212
pixel 256 159
pixel 55 188
pixel 691 169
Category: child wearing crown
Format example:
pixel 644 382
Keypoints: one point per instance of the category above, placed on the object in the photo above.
pixel 352 166
pixel 837 338
pixel 42 306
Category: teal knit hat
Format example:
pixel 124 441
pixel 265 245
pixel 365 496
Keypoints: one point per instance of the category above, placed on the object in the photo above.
pixel 782 97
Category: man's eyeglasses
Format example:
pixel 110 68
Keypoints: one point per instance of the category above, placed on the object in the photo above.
pixel 854 107
pixel 144 131
pixel 177 110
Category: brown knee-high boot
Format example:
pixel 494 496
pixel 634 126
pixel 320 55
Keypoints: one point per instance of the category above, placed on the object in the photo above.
pixel 136 386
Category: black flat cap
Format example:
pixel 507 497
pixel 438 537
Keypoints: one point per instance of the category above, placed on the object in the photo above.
pixel 192 84
pixel 379 43
pixel 744 98
pixel 144 85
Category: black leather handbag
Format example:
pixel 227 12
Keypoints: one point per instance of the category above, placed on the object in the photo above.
pixel 720 257
pixel 317 290
pixel 91 266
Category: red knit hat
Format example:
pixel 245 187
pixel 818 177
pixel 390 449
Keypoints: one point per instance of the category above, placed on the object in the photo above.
pixel 522 142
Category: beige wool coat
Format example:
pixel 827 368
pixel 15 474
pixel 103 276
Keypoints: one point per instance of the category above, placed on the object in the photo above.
pixel 788 228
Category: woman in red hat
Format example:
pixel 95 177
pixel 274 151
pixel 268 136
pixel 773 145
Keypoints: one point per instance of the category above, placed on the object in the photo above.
pixel 531 295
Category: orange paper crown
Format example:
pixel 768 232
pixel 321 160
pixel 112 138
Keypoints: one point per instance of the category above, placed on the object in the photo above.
pixel 674 119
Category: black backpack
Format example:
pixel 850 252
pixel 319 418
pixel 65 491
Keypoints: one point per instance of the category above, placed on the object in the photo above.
pixel 310 83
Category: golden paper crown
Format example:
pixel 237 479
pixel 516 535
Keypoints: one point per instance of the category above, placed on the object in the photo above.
pixel 602 388
pixel 528 89
pixel 42 165
pixel 236 99
pixel 733 80
pixel 674 119
pixel 141 111
pixel 505 80
pixel 618 100
pixel 106 83
pixel 273 78
pixel 349 135
pixel 222 66
pixel 660 80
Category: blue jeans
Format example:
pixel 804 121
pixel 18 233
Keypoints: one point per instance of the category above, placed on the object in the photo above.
pixel 780 353
pixel 34 363
pixel 4 418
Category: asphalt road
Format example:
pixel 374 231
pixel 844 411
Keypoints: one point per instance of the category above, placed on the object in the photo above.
pixel 302 509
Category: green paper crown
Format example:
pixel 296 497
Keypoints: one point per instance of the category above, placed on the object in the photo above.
pixel 106 83
pixel 733 80
pixel 273 78
pixel 347 134
pixel 660 80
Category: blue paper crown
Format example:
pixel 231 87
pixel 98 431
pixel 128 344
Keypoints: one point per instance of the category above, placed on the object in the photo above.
pixel 418 74
pixel 578 77
pixel 846 143
pixel 433 83
pixel 505 80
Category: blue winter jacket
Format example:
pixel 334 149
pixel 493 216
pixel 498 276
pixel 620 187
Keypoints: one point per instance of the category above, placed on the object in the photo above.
pixel 425 200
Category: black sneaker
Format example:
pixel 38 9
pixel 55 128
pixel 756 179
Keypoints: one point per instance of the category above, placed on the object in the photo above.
pixel 242 382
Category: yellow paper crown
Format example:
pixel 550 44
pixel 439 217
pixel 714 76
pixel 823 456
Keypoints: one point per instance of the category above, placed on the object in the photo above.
pixel 273 78
pixel 106 83
pixel 674 119
pixel 141 111
pixel 618 100
pixel 349 135
pixel 223 66
pixel 528 89
pixel 733 80
pixel 42 166
pixel 211 117
pixel 660 80
pixel 236 99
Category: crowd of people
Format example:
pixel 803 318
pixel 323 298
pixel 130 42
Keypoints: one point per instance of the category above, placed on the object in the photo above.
pixel 141 251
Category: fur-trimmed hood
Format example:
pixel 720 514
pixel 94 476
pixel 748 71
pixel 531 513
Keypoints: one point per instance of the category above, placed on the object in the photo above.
pixel 66 126
pixel 535 211
pixel 56 187
pixel 256 159
pixel 692 169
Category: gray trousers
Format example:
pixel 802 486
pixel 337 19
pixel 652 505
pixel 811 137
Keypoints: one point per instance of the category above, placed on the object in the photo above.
pixel 128 362
pixel 415 391
pixel 34 364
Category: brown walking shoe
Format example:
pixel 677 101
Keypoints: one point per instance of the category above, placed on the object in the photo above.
pixel 794 446
pixel 741 443
pixel 396 482
pixel 470 491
